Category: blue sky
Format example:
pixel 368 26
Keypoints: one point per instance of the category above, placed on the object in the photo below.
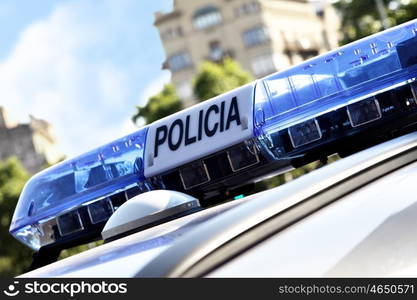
pixel 82 65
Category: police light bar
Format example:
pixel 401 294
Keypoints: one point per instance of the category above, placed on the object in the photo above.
pixel 339 94
pixel 353 97
pixel 77 196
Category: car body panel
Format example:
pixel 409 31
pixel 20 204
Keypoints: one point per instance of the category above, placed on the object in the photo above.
pixel 210 236
pixel 171 248
pixel 114 259
pixel 370 232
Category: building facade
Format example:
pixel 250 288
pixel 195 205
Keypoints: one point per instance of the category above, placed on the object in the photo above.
pixel 262 35
pixel 33 143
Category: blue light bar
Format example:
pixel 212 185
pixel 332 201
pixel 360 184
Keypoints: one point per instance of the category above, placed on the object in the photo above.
pixel 288 103
pixel 55 194
pixel 366 90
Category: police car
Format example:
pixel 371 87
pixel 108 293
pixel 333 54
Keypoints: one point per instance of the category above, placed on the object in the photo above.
pixel 150 195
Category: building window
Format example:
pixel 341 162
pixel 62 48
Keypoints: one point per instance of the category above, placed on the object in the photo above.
pixel 172 33
pixel 247 9
pixel 179 61
pixel 307 54
pixel 255 36
pixel 206 17
pixel 216 52
pixel 263 65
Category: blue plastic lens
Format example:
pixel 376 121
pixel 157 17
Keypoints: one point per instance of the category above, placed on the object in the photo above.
pixel 288 103
pixel 56 192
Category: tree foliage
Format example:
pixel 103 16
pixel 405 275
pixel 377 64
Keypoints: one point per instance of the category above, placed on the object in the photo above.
pixel 214 79
pixel 161 105
pixel 361 18
pixel 15 258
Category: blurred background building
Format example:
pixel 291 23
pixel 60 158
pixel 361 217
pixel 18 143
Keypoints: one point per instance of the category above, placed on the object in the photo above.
pixel 263 36
pixel 33 143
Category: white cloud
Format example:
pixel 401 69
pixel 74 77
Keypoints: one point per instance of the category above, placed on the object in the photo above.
pixel 61 70
pixel 150 90
pixel 128 127
pixel 154 87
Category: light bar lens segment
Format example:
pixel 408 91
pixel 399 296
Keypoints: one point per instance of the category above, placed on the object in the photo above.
pixel 291 100
pixel 60 189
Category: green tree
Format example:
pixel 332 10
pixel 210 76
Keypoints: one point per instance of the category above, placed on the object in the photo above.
pixel 214 79
pixel 161 105
pixel 15 258
pixel 361 18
